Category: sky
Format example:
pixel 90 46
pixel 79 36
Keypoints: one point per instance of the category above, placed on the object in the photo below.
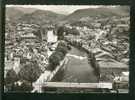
pixel 61 9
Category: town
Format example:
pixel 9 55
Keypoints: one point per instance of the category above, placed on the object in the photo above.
pixel 92 50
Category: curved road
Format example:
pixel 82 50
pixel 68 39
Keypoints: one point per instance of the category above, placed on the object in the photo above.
pixel 78 70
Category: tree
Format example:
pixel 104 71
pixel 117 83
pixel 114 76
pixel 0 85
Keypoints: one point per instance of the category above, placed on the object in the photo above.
pixel 23 60
pixel 61 55
pixel 11 77
pixel 75 31
pixel 24 87
pixel 62 49
pixel 57 56
pixel 60 32
pixel 62 43
pixel 38 33
pixel 69 47
pixel 54 59
pixel 30 72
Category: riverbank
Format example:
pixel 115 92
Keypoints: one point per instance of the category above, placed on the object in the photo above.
pixel 106 67
pixel 79 70
pixel 90 56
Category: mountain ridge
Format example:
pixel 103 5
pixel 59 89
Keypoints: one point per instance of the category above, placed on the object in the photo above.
pixel 35 14
pixel 102 11
pixel 26 14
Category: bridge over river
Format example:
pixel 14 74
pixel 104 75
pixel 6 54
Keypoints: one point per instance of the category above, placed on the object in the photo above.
pixel 77 73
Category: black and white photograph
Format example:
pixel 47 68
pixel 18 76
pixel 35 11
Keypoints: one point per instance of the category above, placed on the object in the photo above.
pixel 66 49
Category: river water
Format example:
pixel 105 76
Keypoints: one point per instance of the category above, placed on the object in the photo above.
pixel 79 70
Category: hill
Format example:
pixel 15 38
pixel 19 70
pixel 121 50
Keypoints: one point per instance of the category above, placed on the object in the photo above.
pixel 19 14
pixel 34 15
pixel 41 17
pixel 13 13
pixel 102 12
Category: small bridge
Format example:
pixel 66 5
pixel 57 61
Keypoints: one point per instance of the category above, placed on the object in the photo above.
pixel 77 85
pixel 57 87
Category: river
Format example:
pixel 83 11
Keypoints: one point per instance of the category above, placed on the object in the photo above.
pixel 78 70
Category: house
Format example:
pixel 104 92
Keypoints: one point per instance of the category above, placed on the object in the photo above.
pixel 51 38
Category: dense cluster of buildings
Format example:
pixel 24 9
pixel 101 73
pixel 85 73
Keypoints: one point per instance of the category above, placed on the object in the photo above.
pixel 26 45
pixel 108 40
